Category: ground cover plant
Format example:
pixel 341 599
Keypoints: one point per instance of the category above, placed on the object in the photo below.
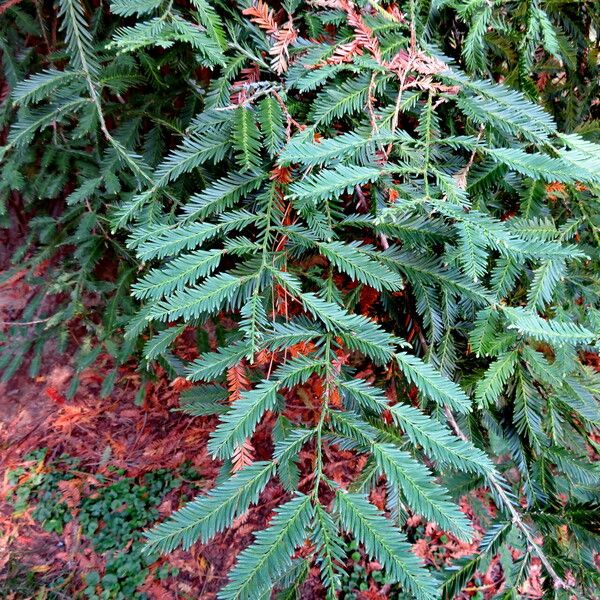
pixel 387 212
pixel 112 516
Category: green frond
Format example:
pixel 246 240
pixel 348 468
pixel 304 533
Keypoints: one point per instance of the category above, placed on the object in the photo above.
pixel 496 234
pixel 538 166
pixel 548 33
pixel 202 518
pixel 485 330
pixel 474 49
pixel 412 230
pixel 540 368
pixel 167 240
pixel 32 121
pixel 222 194
pixel 357 331
pixel 352 146
pixel 195 150
pixel 349 258
pixel 202 400
pixel 270 555
pixel 117 154
pixel 286 453
pixel 211 365
pixel 270 117
pixel 184 270
pixel 444 356
pixel 532 199
pixel 329 183
pixel 78 36
pixel 209 297
pixel 84 192
pixel 130 209
pixel 490 386
pixel 365 395
pixel 159 241
pixel 429 270
pixel 254 321
pixel 418 486
pixel 528 404
pixel 330 553
pixel 535 228
pixel 289 447
pixel 128 8
pixel 245 138
pixel 472 253
pixel 42 85
pixel 504 276
pixel 578 469
pixel 531 325
pixel 164 32
pixel 580 398
pixel 239 423
pixel 502 100
pixel 545 280
pixel 581 153
pixel 219 90
pixel 285 335
pixel 337 102
pixel 384 543
pixel 503 116
pixel 310 80
pixel 152 32
pixel 404 473
pixel 211 21
pixel 159 344
pixel 433 384
pixel 438 442
pixel 351 431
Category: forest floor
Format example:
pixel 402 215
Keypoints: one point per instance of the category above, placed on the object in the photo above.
pixel 82 478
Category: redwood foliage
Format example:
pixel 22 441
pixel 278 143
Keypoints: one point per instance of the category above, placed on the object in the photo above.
pixel 392 210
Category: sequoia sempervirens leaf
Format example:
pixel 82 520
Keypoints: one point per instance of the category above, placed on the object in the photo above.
pixel 376 268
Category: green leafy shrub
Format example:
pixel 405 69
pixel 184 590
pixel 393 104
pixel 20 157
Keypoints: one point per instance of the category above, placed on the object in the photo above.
pixel 338 188
pixel 33 485
pixel 112 517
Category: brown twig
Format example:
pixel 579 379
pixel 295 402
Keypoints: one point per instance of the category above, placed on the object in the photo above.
pixel 515 516
pixel 461 176
pixel 25 323
pixel 370 107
